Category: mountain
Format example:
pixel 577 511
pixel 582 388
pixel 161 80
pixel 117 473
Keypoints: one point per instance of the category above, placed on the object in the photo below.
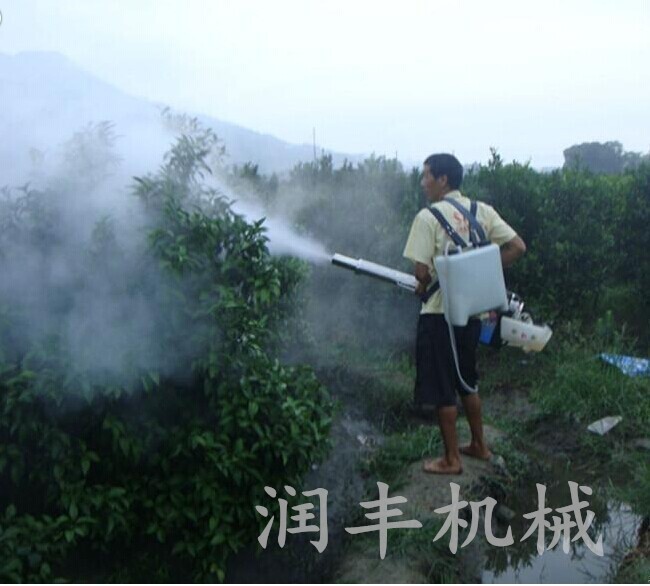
pixel 45 98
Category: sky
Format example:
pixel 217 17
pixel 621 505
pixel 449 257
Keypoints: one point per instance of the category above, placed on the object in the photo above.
pixel 408 78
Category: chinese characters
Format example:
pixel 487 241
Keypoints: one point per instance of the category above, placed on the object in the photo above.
pixel 567 518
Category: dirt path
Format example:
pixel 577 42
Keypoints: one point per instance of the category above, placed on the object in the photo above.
pixel 424 493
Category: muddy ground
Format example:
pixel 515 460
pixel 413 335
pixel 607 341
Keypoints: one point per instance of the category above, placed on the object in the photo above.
pixel 424 493
pixel 357 432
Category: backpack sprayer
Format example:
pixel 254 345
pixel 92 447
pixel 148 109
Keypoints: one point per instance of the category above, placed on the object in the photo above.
pixel 470 278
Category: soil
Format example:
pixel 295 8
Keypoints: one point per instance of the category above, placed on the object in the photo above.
pixel 424 493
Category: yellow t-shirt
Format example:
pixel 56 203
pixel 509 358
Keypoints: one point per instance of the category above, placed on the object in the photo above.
pixel 427 238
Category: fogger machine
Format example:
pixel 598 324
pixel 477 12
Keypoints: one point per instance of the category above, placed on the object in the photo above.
pixel 510 325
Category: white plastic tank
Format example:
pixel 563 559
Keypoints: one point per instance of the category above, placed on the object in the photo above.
pixel 471 282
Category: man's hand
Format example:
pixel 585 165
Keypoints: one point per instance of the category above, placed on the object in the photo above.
pixel 423 276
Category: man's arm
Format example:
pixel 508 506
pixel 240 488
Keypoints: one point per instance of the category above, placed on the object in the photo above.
pixel 511 251
pixel 423 277
pixel 420 248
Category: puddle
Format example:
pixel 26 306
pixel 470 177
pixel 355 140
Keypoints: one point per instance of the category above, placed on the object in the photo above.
pixel 520 562
pixel 580 565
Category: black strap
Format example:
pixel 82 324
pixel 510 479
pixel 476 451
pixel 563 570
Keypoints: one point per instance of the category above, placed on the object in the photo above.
pixel 476 232
pixel 429 293
pixel 456 238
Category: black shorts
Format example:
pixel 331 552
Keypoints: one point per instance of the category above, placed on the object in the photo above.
pixel 437 380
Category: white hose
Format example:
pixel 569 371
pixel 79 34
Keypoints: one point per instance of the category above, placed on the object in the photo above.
pixel 445 301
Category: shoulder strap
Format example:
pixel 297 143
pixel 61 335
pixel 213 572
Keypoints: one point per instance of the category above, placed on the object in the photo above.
pixel 455 236
pixel 429 292
pixel 476 232
pixel 457 240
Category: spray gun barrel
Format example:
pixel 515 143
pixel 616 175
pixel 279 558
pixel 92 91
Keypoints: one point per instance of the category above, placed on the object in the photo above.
pixel 365 267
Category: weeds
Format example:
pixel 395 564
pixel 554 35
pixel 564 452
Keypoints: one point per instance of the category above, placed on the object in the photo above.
pixel 518 465
pixel 399 450
pixel 579 387
pixel 415 547
pixel 634 572
pixel 437 562
pixel 637 492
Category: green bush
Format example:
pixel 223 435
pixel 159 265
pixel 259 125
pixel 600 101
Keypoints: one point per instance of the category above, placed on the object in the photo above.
pixel 151 475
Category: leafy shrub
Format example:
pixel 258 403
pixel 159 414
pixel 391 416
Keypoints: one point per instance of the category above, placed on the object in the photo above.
pixel 154 475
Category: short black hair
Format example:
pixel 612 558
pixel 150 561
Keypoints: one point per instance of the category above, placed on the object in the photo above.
pixel 445 164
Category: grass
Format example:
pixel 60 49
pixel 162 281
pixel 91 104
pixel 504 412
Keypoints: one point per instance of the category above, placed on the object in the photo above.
pixel 380 385
pixel 636 571
pixel 509 368
pixel 569 382
pixel 637 492
pixel 577 385
pixel 416 547
pixel 581 387
pixel 399 450
pixel 439 565
pixel 519 465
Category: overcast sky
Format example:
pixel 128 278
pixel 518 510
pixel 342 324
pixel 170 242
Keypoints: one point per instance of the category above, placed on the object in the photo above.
pixel 413 77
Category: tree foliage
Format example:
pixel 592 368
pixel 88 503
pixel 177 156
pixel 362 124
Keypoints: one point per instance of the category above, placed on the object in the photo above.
pixel 152 478
pixel 608 157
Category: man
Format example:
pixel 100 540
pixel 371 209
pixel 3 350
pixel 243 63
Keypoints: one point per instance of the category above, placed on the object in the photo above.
pixel 437 380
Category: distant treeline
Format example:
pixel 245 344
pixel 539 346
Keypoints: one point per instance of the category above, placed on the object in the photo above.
pixel 608 157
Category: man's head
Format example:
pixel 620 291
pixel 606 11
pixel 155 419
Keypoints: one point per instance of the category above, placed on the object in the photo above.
pixel 441 174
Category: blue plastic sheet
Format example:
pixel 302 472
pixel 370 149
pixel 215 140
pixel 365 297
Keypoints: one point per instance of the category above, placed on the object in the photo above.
pixel 628 365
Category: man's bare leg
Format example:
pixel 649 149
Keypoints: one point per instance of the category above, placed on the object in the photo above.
pixel 477 447
pixel 450 463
